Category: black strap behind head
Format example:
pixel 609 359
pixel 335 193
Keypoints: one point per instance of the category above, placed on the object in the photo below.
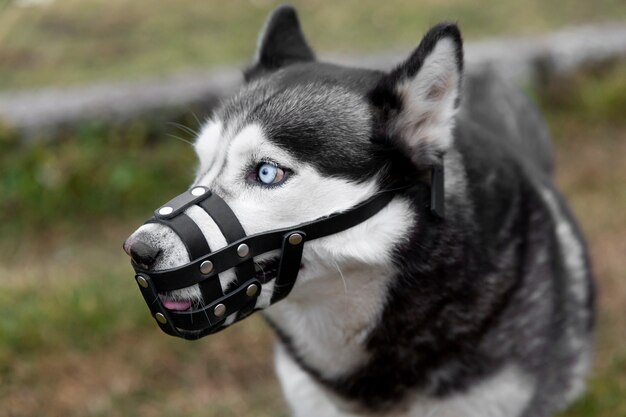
pixel 437 191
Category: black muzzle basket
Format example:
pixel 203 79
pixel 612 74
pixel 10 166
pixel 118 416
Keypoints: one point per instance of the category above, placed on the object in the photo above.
pixel 240 298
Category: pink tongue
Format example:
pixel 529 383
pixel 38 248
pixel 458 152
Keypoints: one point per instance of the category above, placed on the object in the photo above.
pixel 176 305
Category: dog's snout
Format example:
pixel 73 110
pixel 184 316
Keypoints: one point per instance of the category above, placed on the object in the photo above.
pixel 143 254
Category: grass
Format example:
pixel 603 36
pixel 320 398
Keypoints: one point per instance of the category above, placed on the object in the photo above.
pixel 75 336
pixel 77 340
pixel 76 41
pixel 92 172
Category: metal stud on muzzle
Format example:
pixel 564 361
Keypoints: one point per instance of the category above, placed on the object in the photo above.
pixel 240 297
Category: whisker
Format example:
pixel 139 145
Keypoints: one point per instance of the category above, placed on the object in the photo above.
pixel 261 268
pixel 386 190
pixel 180 139
pixel 206 315
pixel 199 303
pixel 345 285
pixel 197 120
pixel 184 128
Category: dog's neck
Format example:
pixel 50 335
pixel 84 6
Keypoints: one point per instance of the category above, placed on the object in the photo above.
pixel 325 322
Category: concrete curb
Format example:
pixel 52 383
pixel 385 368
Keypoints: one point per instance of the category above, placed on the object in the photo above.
pixel 522 60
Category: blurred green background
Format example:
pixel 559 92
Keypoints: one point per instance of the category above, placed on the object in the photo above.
pixel 75 336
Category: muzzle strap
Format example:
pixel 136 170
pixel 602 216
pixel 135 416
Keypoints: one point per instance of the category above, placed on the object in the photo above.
pixel 229 256
pixel 196 245
pixel 230 227
pixel 232 230
pixel 204 267
pixel 183 226
pixel 196 323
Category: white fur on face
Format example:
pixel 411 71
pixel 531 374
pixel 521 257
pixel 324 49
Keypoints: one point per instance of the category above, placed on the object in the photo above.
pixel 307 195
pixel 429 99
pixel 210 149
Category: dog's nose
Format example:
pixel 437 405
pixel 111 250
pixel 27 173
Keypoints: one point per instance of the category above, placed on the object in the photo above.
pixel 143 254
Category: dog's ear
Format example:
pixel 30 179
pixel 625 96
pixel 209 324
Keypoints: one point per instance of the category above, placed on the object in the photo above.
pixel 418 100
pixel 280 43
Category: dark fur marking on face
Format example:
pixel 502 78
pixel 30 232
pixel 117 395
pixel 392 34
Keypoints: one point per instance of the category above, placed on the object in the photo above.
pixel 316 112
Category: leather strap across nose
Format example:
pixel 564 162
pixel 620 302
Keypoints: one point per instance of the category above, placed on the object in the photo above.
pixel 205 265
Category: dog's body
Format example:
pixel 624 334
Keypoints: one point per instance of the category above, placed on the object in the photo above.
pixel 486 313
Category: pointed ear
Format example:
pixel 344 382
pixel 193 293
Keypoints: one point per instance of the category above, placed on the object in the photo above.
pixel 280 43
pixel 418 100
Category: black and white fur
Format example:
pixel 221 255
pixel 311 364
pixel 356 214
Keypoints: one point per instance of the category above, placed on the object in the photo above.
pixel 486 313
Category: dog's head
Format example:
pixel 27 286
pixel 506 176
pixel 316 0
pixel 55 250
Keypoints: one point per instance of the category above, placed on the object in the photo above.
pixel 304 139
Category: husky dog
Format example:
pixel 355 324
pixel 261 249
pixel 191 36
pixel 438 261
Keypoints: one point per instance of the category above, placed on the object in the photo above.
pixel 486 312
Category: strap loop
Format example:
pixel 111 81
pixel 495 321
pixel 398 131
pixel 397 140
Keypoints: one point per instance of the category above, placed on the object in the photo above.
pixel 180 203
pixel 290 259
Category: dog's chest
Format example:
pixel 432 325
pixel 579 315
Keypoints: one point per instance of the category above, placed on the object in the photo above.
pixel 506 393
pixel 328 332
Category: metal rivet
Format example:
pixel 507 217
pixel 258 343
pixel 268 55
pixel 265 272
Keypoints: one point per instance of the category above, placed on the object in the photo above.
pixel 198 191
pixel 252 290
pixel 295 239
pixel 219 310
pixel 243 250
pixel 206 267
pixel 141 281
pixel 164 211
pixel 160 318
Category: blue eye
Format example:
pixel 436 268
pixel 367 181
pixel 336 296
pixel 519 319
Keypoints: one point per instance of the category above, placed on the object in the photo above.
pixel 269 174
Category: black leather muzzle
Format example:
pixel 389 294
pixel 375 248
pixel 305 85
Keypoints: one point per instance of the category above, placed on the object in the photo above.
pixel 223 307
